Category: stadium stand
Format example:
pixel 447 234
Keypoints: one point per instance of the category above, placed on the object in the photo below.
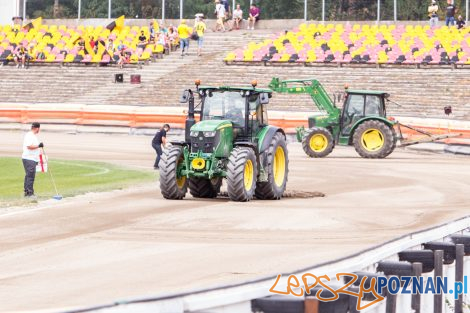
pixel 71 45
pixel 364 44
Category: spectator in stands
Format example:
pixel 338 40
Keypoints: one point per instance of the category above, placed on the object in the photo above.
pixel 237 17
pixel 200 28
pixel 460 22
pixel 158 142
pixel 432 12
pixel 30 158
pixel 184 31
pixel 142 40
pixel 122 57
pixel 110 45
pixel 226 5
pixel 253 17
pixel 20 56
pixel 172 38
pixel 152 32
pixel 220 14
pixel 450 13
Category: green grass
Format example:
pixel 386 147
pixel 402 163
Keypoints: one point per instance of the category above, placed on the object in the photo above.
pixel 71 177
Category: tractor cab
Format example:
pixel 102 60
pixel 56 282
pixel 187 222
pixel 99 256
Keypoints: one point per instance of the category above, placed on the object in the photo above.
pixel 359 104
pixel 244 107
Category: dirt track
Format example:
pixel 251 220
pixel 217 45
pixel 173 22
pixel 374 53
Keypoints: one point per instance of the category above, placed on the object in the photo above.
pixel 98 248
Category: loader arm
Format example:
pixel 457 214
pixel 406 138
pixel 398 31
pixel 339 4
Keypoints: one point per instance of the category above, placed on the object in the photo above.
pixel 307 86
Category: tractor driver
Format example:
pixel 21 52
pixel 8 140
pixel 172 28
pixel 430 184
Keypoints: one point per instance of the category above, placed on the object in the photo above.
pixel 235 114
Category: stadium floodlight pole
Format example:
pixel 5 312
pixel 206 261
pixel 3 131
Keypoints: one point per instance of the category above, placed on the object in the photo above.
pixel 305 10
pixel 466 12
pixel 233 6
pixel 79 8
pixel 323 11
pixel 181 9
pixel 163 11
pixel 109 9
pixel 395 10
pixel 24 10
pixel 378 11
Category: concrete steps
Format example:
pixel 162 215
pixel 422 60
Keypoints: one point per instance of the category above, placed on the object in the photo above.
pixel 421 92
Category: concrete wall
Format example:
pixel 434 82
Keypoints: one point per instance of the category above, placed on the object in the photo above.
pixel 8 9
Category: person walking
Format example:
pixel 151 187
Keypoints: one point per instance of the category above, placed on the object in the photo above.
pixel 30 158
pixel 158 140
pixel 220 14
pixel 432 11
pixel 184 31
pixel 200 28
pixel 450 13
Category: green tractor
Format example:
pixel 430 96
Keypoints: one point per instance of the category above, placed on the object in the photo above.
pixel 232 140
pixel 362 122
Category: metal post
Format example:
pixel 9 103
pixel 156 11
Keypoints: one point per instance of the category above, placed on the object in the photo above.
pixel 109 9
pixel 416 299
pixel 390 303
pixel 251 2
pixel 378 11
pixel 323 11
pixel 79 8
pixel 459 255
pixel 24 10
pixel 438 264
pixel 466 12
pixel 163 11
pixel 305 10
pixel 395 10
pixel 233 6
pixel 181 9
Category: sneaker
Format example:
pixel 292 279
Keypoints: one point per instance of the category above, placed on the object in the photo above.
pixel 17 66
pixel 22 66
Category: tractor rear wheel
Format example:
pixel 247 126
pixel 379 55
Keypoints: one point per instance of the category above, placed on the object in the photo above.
pixel 173 185
pixel 318 142
pixel 242 172
pixel 374 139
pixel 278 162
pixel 204 188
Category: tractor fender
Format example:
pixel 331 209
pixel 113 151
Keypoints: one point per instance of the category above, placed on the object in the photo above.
pixel 369 118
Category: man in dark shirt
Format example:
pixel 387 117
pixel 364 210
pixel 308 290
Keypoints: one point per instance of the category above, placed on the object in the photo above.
pixel 142 41
pixel 158 141
pixel 450 13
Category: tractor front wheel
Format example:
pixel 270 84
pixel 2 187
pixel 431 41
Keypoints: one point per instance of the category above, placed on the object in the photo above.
pixel 278 162
pixel 242 173
pixel 374 139
pixel 173 185
pixel 318 142
pixel 204 188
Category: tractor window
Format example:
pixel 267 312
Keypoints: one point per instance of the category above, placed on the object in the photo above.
pixel 356 105
pixel 373 106
pixel 225 106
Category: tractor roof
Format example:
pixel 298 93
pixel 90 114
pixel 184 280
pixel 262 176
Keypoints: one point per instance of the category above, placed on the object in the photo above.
pixel 227 88
pixel 367 92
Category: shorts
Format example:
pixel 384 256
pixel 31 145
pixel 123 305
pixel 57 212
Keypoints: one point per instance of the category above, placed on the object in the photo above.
pixel 200 41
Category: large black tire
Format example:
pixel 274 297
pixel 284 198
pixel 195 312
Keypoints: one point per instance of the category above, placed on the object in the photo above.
pixel 242 172
pixel 204 188
pixel 318 142
pixel 278 169
pixel 374 139
pixel 172 186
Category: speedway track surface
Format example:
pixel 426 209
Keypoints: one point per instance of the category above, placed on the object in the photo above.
pixel 98 248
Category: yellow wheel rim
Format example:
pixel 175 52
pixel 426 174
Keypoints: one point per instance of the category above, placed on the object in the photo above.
pixel 372 140
pixel 180 181
pixel 318 142
pixel 248 175
pixel 279 166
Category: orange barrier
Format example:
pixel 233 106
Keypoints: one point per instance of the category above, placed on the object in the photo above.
pixel 149 119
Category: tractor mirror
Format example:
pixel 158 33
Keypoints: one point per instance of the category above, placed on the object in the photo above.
pixel 184 97
pixel 264 98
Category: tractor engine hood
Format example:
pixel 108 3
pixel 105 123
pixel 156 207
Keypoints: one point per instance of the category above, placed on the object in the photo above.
pixel 210 125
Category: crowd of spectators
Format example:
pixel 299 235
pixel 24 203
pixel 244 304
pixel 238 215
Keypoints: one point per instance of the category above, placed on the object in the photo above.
pixel 228 20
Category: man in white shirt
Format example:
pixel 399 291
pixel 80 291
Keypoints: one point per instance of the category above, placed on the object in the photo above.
pixel 31 146
pixel 220 13
pixel 238 16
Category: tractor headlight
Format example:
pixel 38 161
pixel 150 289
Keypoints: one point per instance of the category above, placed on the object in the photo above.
pixel 209 134
pixel 194 133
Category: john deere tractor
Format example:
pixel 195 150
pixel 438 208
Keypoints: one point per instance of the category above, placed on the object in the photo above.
pixel 362 122
pixel 227 135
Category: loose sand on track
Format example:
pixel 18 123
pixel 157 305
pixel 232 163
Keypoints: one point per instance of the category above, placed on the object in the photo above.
pixel 98 248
